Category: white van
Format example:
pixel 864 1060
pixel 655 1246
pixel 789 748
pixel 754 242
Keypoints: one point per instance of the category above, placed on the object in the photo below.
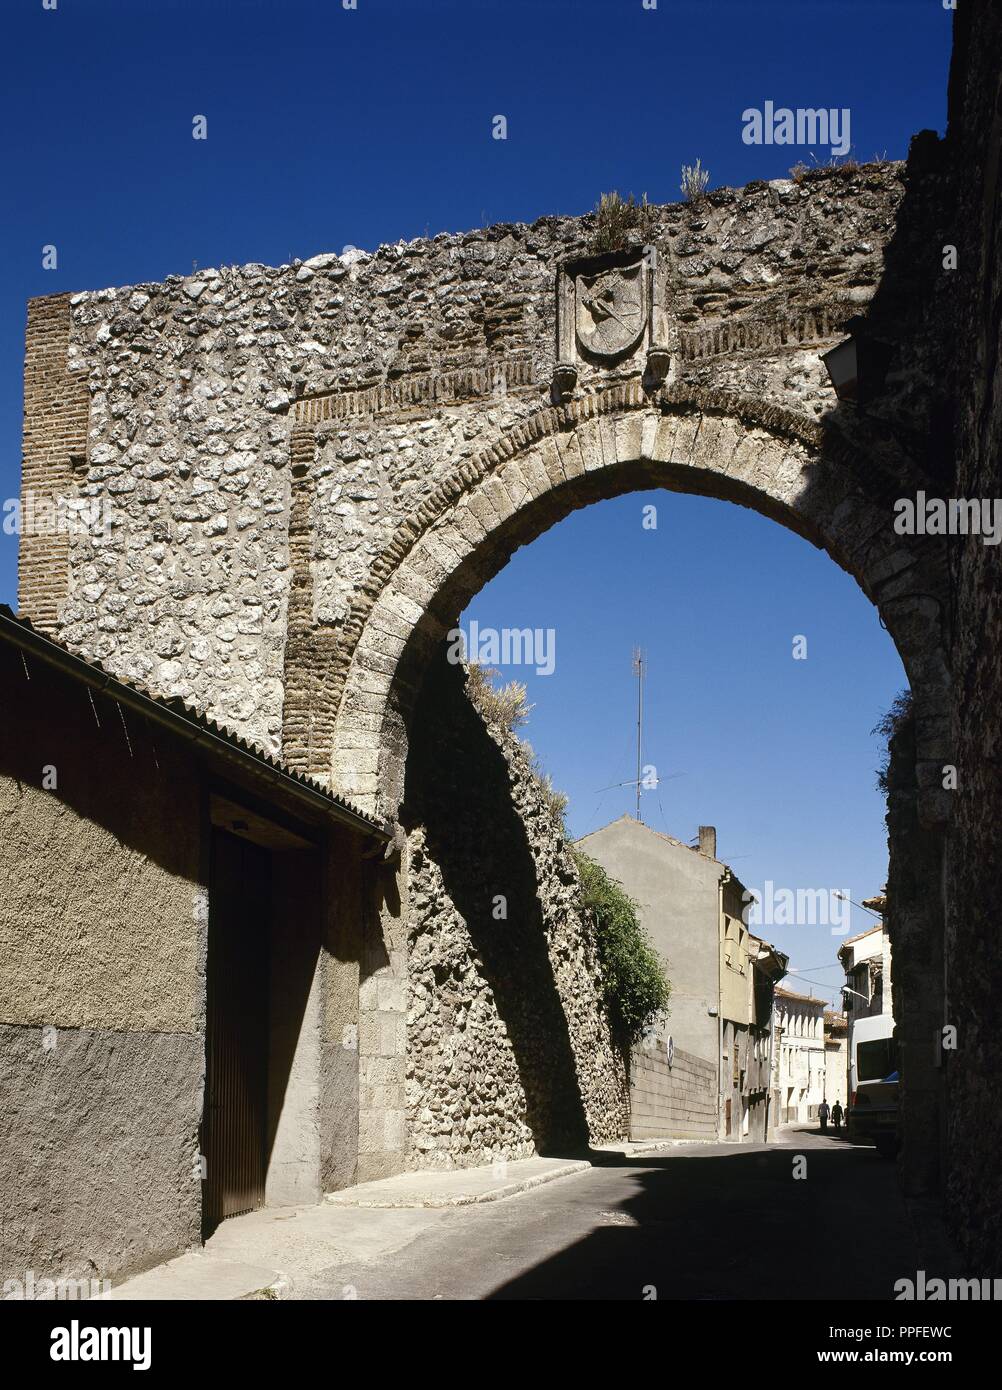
pixel 872 1115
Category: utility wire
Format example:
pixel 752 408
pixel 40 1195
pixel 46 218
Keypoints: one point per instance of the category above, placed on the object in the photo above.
pixel 844 897
pixel 818 984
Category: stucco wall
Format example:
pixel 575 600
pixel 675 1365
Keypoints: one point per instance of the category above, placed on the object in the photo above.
pixel 735 984
pixel 296 974
pixel 102 938
pixel 836 1065
pixel 677 894
pixel 104 913
pixel 347 919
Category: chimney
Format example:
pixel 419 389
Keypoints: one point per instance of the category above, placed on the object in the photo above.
pixel 708 841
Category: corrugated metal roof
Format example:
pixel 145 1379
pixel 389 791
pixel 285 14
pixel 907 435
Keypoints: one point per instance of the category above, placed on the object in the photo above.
pixel 178 713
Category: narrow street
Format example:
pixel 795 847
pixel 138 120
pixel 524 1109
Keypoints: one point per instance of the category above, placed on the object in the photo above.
pixel 707 1221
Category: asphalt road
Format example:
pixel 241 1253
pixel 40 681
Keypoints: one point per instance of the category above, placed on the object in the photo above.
pixel 706 1222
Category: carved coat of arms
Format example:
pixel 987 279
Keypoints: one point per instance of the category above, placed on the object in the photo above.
pixel 611 310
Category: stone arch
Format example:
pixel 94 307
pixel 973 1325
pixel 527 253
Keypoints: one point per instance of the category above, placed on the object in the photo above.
pixel 803 474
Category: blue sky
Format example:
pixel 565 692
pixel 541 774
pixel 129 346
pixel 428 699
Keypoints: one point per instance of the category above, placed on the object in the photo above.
pixel 776 752
pixel 329 127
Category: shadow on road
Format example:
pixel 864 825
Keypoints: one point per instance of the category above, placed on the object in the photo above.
pixel 830 1134
pixel 740 1225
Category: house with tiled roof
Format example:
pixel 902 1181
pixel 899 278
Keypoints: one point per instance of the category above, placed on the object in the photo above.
pixel 181 936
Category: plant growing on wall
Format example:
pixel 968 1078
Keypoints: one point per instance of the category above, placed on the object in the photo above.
pixel 695 181
pixel 554 799
pixel 635 988
pixel 892 724
pixel 507 706
pixel 634 984
pixel 616 217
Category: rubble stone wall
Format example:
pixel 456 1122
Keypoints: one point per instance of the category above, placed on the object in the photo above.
pixel 508 1045
pixel 260 434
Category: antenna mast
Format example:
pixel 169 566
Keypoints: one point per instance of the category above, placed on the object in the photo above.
pixel 638 671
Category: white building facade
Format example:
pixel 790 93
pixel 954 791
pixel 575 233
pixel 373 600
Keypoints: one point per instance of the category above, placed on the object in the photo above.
pixel 866 960
pixel 800 1055
pixel 836 1057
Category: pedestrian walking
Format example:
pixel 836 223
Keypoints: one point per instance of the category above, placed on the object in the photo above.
pixel 823 1113
pixel 837 1114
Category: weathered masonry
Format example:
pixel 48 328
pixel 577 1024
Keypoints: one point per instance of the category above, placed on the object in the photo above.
pixel 313 468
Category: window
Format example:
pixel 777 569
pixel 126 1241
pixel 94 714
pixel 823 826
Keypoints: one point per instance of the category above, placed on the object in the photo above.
pixel 875 1059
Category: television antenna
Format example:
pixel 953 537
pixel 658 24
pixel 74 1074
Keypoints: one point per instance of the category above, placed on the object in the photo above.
pixel 639 670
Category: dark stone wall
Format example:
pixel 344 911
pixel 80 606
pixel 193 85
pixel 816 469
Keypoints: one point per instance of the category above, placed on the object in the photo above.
pixel 972 339
pixel 915 926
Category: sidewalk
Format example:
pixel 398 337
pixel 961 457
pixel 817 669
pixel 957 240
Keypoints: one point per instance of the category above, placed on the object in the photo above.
pixel 264 1254
pixel 458 1188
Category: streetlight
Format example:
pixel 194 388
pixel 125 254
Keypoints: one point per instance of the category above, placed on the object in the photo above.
pixel 857 367
pixel 846 990
pixel 842 365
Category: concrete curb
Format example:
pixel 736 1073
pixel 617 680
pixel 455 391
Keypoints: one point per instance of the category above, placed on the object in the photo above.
pixel 204 1277
pixel 463 1199
pixel 646 1146
pixel 641 1149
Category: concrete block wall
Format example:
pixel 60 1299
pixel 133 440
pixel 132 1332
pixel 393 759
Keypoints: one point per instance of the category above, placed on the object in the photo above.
pixel 676 1102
